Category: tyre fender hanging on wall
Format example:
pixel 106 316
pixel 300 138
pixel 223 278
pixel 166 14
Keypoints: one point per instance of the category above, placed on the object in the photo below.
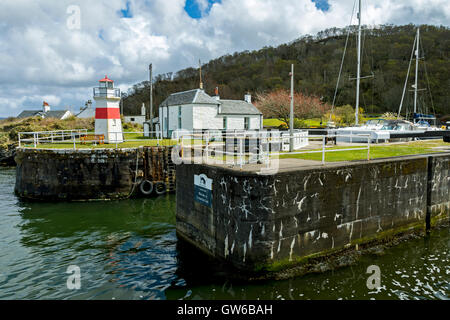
pixel 146 187
pixel 160 188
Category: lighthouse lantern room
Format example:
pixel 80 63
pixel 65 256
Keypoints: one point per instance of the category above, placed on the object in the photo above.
pixel 107 111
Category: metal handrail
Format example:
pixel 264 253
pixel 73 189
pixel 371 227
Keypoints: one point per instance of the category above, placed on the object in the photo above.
pixel 106 92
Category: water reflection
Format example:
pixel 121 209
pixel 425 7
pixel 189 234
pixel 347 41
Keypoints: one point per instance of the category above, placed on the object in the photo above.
pixel 129 250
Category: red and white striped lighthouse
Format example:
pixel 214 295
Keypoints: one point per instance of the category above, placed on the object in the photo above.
pixel 107 111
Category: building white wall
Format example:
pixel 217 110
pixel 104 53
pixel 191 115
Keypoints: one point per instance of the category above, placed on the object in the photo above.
pixel 66 115
pixel 236 122
pixel 199 117
pixel 205 117
pixel 172 111
pixel 101 102
pixel 134 119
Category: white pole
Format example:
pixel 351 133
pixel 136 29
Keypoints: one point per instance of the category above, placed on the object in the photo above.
pixel 358 68
pixel 19 138
pixel 417 72
pixel 206 148
pixel 323 150
pixel 291 120
pixel 240 153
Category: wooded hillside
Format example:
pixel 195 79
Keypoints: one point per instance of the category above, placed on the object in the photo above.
pixel 386 54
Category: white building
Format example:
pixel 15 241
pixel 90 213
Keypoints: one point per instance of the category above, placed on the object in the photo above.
pixel 46 112
pixel 87 111
pixel 194 110
pixel 139 119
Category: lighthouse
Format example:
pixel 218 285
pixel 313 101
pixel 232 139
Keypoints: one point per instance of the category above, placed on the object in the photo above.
pixel 107 111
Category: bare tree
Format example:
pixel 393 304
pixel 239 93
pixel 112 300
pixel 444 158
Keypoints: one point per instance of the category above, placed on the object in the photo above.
pixel 276 105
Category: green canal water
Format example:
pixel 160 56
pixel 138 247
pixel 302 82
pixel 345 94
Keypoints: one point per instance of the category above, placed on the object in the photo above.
pixel 129 250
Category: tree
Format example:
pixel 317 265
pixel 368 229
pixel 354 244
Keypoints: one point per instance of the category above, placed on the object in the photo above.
pixel 345 115
pixel 317 61
pixel 276 105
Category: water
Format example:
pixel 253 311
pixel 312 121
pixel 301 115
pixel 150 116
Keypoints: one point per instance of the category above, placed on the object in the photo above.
pixel 129 250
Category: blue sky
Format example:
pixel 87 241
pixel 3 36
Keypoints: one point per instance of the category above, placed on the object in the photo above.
pixel 321 4
pixel 193 9
pixel 126 12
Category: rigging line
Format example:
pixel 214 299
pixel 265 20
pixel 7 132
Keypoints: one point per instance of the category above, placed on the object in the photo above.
pixel 343 57
pixel 406 80
pixel 428 81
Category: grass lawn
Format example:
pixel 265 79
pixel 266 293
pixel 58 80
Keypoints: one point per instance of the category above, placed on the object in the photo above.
pixel 276 122
pixel 376 151
pixel 315 122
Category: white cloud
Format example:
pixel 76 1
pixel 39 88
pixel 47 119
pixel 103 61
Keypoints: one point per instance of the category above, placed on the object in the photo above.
pixel 41 58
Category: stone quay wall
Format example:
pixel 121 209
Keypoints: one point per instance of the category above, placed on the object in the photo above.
pixel 269 222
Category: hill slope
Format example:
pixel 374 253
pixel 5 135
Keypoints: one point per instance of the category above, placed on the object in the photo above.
pixel 386 54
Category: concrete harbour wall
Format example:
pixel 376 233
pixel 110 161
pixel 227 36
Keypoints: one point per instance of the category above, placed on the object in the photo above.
pixel 259 222
pixel 90 174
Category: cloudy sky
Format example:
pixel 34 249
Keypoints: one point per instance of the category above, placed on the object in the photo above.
pixel 57 50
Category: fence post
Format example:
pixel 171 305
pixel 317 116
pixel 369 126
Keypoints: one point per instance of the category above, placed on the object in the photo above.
pixel 240 152
pixel 323 150
pixel 34 139
pixel 368 147
pixel 19 138
pixel 74 144
pixel 207 145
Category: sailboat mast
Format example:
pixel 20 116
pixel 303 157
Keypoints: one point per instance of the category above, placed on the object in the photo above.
pixel 417 72
pixel 358 68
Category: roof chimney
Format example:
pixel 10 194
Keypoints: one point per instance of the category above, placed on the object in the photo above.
pixel 248 98
pixel 216 92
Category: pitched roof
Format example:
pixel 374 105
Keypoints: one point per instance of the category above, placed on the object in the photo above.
pixel 49 114
pixel 29 113
pixel 86 112
pixel 198 96
pixel 55 114
pixel 105 79
pixel 187 97
pixel 237 107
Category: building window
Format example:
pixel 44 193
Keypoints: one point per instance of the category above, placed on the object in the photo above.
pixel 224 123
pixel 132 119
pixel 179 117
pixel 246 123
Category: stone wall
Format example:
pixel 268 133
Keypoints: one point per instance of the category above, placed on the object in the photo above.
pixel 269 222
pixel 83 174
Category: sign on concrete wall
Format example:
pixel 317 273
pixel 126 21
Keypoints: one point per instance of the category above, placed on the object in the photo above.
pixel 203 190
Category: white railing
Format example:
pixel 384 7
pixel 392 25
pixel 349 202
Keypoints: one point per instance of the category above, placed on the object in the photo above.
pixel 38 137
pixel 238 147
pixel 74 137
pixel 250 147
